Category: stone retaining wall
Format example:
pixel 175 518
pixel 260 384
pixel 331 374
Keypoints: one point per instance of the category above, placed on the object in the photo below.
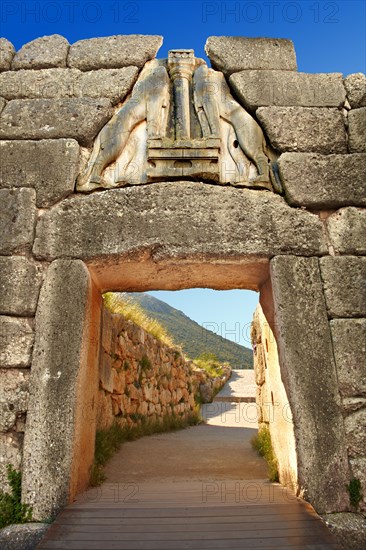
pixel 304 251
pixel 140 377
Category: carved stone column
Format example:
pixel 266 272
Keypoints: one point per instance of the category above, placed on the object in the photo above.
pixel 181 64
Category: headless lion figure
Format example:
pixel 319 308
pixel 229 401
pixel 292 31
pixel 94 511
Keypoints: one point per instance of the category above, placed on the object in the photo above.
pixel 149 102
pixel 213 101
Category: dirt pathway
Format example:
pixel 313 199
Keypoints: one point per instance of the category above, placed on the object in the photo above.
pixel 218 449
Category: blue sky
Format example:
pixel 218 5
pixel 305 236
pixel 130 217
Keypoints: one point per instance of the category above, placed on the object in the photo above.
pixel 328 37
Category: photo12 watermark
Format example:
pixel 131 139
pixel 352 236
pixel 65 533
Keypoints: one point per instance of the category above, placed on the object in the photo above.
pixel 69 12
pixel 270 12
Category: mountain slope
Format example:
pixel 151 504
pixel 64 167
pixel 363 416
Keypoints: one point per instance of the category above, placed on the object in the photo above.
pixel 193 338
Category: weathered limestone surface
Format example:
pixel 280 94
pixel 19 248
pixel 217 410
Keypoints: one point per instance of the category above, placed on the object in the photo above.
pixel 42 53
pixel 13 397
pixel 231 54
pixel 347 229
pixel 358 467
pixel 16 339
pixel 50 166
pixel 357 130
pixel 309 375
pixel 349 343
pixel 323 181
pixel 62 385
pixel 287 88
pixel 20 281
pixel 11 445
pixel 23 536
pixel 7 52
pixel 355 425
pixel 355 85
pixel 344 279
pixel 2 103
pixel 183 219
pixel 349 529
pixel 17 219
pixel 39 84
pixel 304 129
pixel 113 84
pixel 55 118
pixel 113 52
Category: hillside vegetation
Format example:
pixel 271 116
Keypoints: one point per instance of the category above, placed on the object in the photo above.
pixel 192 337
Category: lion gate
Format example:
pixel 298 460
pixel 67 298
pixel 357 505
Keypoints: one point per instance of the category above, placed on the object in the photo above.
pixel 123 172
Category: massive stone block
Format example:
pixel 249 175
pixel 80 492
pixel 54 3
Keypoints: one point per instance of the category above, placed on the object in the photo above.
pixel 23 536
pixel 113 52
pixel 113 84
pixel 13 397
pixel 60 430
pixel 181 219
pixel 358 467
pixel 349 342
pixel 355 85
pixel 17 219
pixel 355 425
pixel 357 130
pixel 304 129
pixel 55 118
pixel 20 281
pixel 42 53
pixel 309 375
pixel 287 88
pixel 50 166
pixel 349 529
pixel 346 229
pixel 42 84
pixel 323 181
pixel 344 280
pixel 7 52
pixel 231 54
pixel 16 342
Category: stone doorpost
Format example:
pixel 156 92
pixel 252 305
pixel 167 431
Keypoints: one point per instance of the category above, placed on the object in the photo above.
pixel 60 435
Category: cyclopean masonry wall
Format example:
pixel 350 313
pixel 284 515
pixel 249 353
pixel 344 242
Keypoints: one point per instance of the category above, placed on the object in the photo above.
pixel 143 379
pixel 291 227
pixel 139 376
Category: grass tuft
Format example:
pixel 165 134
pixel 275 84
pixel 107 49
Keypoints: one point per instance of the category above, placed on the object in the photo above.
pixel 263 445
pixel 11 508
pixel 124 305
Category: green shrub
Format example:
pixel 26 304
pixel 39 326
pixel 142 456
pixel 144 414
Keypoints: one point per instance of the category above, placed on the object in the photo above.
pixel 11 508
pixel 355 492
pixel 107 442
pixel 263 445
